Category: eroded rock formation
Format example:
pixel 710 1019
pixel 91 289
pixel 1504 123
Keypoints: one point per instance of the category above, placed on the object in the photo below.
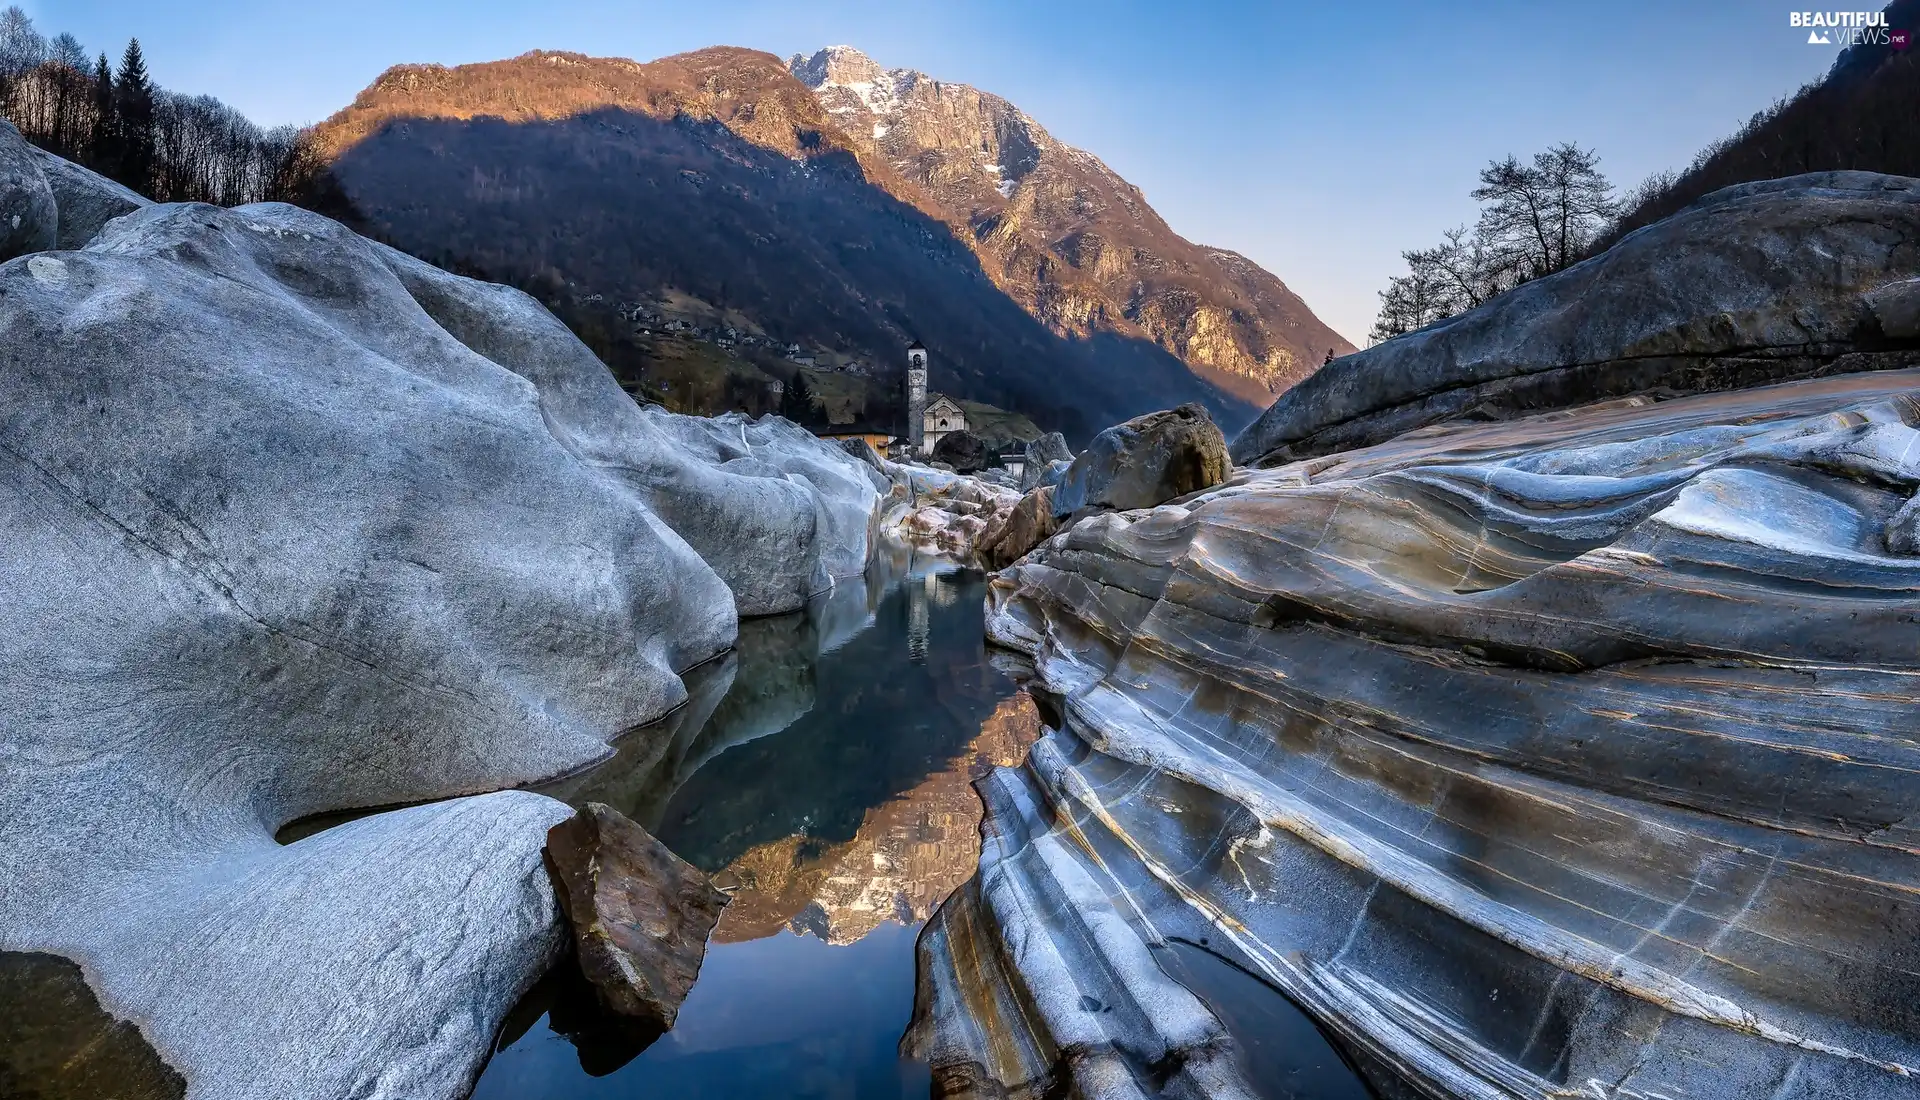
pixel 297 523
pixel 1753 284
pixel 1568 755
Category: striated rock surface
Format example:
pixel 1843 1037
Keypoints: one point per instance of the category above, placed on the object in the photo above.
pixel 1565 756
pixel 299 524
pixel 942 510
pixel 640 914
pixel 1755 283
pixel 1144 462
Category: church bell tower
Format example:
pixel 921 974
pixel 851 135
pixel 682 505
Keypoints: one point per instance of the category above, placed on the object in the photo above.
pixel 916 397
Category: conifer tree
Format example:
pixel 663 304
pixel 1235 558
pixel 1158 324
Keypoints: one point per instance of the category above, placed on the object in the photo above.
pixel 103 148
pixel 133 104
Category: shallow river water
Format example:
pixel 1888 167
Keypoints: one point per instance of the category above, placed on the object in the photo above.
pixel 823 775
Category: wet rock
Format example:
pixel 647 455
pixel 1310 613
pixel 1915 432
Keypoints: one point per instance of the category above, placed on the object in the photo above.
pixel 1755 283
pixel 29 219
pixel 964 452
pixel 1041 454
pixel 1554 750
pixel 87 200
pixel 1029 523
pixel 1145 462
pixel 640 915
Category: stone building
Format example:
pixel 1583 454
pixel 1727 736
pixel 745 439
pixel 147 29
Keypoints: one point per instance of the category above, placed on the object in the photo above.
pixel 943 415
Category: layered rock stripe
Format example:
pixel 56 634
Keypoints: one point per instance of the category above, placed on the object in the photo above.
pixel 1564 755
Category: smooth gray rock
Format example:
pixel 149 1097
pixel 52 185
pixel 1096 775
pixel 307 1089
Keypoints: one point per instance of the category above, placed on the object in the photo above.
pixel 1755 283
pixel 86 199
pixel 296 524
pixel 1145 462
pixel 776 511
pixel 1565 755
pixel 29 219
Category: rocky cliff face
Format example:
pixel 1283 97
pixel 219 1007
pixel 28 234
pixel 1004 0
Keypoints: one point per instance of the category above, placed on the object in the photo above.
pixel 848 209
pixel 1074 243
pixel 1566 755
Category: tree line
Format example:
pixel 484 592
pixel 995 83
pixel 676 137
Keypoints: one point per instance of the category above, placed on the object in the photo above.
pixel 164 145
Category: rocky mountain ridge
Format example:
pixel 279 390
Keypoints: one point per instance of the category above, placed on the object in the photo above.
pixel 1063 233
pixel 828 202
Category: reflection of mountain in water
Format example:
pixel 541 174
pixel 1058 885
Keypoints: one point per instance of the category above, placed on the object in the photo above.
pixel 824 768
pixel 906 857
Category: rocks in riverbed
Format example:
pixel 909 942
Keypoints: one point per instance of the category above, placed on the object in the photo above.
pixel 1029 523
pixel 297 523
pixel 1755 283
pixel 29 219
pixel 1041 454
pixel 1145 462
pixel 1532 758
pixel 640 914
pixel 1423 708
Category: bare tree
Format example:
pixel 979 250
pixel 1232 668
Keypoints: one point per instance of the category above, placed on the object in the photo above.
pixel 1541 216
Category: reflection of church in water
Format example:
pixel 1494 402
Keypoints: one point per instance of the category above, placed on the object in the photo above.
pixel 932 592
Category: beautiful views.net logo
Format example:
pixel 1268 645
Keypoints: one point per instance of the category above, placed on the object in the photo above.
pixel 1847 28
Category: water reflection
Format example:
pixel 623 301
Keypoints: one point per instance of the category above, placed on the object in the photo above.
pixel 822 773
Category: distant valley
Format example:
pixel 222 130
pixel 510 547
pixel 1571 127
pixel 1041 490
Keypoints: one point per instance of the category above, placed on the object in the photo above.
pixel 716 222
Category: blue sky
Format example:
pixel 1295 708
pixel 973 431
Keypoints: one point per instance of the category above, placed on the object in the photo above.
pixel 1320 140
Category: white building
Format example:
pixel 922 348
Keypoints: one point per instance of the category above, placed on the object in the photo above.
pixel 943 414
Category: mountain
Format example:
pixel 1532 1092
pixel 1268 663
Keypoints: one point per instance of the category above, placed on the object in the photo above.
pixel 709 221
pixel 1065 236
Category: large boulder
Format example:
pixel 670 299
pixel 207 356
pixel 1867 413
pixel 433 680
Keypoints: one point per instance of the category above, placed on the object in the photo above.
pixel 299 524
pixel 1755 283
pixel 1145 462
pixel 963 452
pixel 1029 523
pixel 1532 758
pixel 29 218
pixel 86 199
pixel 640 914
pixel 1040 456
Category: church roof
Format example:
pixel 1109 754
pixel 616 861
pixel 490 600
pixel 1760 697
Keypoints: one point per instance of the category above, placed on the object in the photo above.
pixel 916 346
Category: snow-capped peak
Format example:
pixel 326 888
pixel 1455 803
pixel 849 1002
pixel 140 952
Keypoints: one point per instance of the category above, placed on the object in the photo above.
pixel 878 90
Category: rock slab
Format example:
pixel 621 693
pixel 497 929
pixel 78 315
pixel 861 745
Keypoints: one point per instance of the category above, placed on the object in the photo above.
pixel 1753 284
pixel 640 914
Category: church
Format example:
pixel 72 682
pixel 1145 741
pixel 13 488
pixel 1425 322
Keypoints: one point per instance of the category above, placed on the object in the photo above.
pixel 929 415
